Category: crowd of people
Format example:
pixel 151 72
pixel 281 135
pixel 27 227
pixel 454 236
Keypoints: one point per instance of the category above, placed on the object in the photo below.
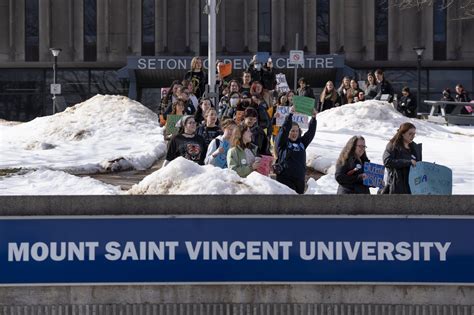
pixel 241 127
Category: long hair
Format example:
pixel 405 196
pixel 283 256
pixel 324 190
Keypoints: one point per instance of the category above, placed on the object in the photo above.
pixel 175 104
pixel 371 74
pixel 325 92
pixel 253 89
pixel 169 95
pixel 193 63
pixel 349 151
pixel 238 139
pixel 397 140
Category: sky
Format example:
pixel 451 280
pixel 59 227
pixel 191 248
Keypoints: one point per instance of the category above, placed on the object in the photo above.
pixel 112 133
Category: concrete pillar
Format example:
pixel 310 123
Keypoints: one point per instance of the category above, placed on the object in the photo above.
pixel 336 12
pixel 78 31
pixel 221 28
pixel 17 27
pixel 368 33
pixel 410 27
pixel 467 42
pixel 275 26
pixel 453 33
pixel 311 27
pixel 6 19
pixel 102 30
pixel 394 32
pixel 353 29
pixel 61 30
pixel 427 31
pixel 44 30
pixel 246 27
pixel 252 25
pixel 134 27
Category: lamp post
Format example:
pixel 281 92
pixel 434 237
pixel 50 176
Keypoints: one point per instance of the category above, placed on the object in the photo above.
pixel 419 52
pixel 55 52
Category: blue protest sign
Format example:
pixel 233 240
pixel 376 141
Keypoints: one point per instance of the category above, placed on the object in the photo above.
pixel 430 179
pixel 108 250
pixel 262 57
pixel 374 174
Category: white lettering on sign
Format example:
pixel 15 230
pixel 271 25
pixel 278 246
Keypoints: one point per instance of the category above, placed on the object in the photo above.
pixel 56 251
pixel 141 63
pixel 374 251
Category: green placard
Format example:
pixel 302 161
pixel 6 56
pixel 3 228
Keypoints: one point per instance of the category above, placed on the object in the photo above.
pixel 304 105
pixel 171 121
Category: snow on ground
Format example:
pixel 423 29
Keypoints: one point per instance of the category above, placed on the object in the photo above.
pixel 47 182
pixel 377 122
pixel 106 132
pixel 181 176
pixel 86 137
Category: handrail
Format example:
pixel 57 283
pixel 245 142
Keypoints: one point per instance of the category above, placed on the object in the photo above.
pixel 435 104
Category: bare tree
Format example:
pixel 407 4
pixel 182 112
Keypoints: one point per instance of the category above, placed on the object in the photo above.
pixel 466 6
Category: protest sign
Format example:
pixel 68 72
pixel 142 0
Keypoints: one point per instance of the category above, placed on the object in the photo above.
pixel 430 179
pixel 265 165
pixel 374 174
pixel 282 84
pixel 171 121
pixel 301 120
pixel 304 105
pixel 225 69
pixel 262 57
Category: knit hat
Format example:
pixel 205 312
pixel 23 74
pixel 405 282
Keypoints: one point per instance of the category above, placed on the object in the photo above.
pixel 250 112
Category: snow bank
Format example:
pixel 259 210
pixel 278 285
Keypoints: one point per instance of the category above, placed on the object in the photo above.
pixel 106 132
pixel 47 182
pixel 377 122
pixel 188 178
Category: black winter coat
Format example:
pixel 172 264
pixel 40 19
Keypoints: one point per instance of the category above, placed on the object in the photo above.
pixel 293 154
pixel 384 87
pixel 407 106
pixel 349 180
pixel 398 162
pixel 328 104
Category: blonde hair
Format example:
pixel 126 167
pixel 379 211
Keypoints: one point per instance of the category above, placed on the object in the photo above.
pixel 194 61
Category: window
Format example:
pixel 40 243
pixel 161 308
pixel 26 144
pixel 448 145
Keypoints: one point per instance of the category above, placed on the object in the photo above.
pixel 322 27
pixel 90 30
pixel 381 29
pixel 203 29
pixel 439 30
pixel 148 27
pixel 264 25
pixel 31 30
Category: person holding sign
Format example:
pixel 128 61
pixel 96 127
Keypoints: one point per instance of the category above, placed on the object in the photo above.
pixel 186 143
pixel 218 148
pixel 350 167
pixel 400 154
pixel 291 145
pixel 242 157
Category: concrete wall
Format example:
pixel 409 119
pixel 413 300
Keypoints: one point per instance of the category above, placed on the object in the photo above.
pixel 296 295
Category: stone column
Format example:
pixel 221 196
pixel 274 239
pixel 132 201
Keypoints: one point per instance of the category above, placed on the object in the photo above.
pixel 427 31
pixel 134 27
pixel 78 31
pixel 6 29
pixel 311 27
pixel 352 29
pixel 195 12
pixel 394 32
pixel 44 30
pixel 336 11
pixel 368 31
pixel 253 25
pixel 102 30
pixel 410 29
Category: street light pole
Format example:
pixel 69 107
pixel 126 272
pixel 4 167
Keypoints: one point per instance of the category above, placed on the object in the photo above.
pixel 419 52
pixel 55 52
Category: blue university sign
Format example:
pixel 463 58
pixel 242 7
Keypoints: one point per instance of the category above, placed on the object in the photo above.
pixel 108 250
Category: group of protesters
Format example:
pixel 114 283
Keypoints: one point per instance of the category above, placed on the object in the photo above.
pixel 240 130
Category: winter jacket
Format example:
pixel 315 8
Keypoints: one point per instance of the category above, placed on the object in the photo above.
pixel 328 103
pixel 370 92
pixel 463 97
pixel 343 95
pixel 307 91
pixel 398 163
pixel 384 87
pixel 259 138
pixel 407 106
pixel 349 179
pixel 237 160
pixel 292 154
pixel 199 80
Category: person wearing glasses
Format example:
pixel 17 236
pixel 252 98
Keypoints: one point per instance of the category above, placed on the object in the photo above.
pixel 350 167
pixel 186 143
pixel 400 154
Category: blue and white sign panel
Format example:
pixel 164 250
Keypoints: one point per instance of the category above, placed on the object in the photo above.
pixel 236 249
pixel 430 179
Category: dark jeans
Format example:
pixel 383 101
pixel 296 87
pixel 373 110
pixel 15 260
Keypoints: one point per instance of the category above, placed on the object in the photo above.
pixel 295 184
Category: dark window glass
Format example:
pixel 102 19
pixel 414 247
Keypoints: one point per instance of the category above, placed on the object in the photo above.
pixel 203 29
pixel 322 27
pixel 31 30
pixel 381 29
pixel 107 82
pixel 90 30
pixel 439 27
pixel 264 25
pixel 148 27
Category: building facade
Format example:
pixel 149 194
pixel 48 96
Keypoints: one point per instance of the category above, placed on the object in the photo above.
pixel 97 36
